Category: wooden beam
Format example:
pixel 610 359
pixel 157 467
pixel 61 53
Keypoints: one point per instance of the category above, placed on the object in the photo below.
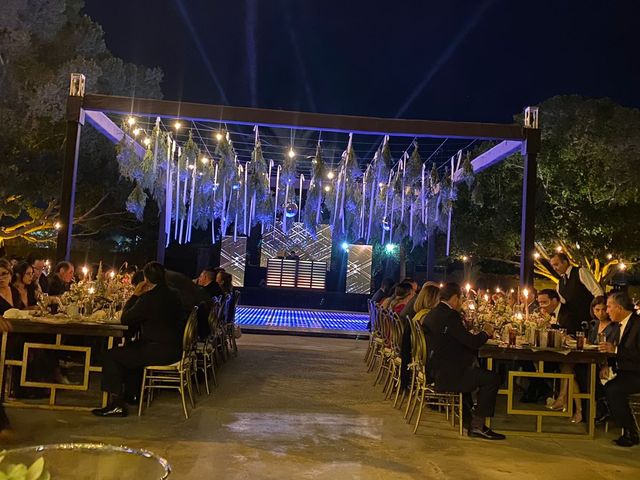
pixel 491 157
pixel 301 120
pixel 105 125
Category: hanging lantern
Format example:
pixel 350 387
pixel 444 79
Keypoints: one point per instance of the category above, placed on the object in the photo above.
pixel 386 224
pixel 290 210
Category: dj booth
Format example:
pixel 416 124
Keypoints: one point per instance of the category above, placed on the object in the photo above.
pixel 301 274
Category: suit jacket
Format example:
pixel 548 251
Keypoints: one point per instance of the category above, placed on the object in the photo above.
pixel 159 316
pixel 452 348
pixel 627 358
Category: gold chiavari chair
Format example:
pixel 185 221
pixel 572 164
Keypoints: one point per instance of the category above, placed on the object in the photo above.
pixel 178 375
pixel 426 393
pixel 387 353
pixel 395 363
pixel 378 338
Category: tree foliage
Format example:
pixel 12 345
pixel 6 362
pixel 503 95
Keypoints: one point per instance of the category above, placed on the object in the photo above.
pixel 41 43
pixel 587 188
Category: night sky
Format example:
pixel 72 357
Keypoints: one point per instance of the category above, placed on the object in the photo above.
pixel 481 60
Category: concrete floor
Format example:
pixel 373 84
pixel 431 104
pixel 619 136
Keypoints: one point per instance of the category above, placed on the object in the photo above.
pixel 303 407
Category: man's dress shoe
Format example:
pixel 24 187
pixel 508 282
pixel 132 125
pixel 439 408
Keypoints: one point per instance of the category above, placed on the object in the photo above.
pixel 629 439
pixel 111 411
pixel 486 433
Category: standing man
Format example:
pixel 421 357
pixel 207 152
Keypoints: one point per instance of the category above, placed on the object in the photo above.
pixel 625 366
pixel 453 359
pixel 577 289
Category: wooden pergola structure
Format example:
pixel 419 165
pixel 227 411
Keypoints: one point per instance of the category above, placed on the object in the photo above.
pixel 83 107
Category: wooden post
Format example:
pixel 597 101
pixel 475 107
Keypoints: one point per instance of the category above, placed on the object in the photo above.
pixel 75 120
pixel 530 149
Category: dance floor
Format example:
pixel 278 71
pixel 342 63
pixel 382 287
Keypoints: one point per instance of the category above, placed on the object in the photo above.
pixel 295 320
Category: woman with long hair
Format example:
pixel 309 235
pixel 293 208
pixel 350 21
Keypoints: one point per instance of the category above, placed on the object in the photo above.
pixel 401 296
pixel 600 323
pixel 24 285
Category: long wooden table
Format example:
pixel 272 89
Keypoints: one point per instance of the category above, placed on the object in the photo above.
pixel 539 357
pixel 60 328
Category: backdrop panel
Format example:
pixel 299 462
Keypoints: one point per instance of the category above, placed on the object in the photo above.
pixel 297 238
pixel 359 269
pixel 232 258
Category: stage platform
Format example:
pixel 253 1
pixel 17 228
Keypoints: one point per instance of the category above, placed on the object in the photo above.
pixel 296 321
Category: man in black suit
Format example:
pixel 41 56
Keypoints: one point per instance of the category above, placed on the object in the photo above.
pixel 625 365
pixel 156 310
pixel 453 359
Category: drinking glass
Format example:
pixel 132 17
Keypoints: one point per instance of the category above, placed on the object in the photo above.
pixel 512 337
pixel 579 341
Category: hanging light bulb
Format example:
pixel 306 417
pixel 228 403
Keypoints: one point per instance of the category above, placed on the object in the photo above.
pixel 147 141
pixel 558 249
pixel 177 125
pixel 218 136
pixel 57 225
pixel 136 132
pixel 536 255
pixel 204 160
pixel 131 121
pixel 291 153
pixel 327 188
pixel 192 166
pixel 330 175
pixel 622 266
pixel 609 256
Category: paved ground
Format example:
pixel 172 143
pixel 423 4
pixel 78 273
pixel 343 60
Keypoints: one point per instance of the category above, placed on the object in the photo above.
pixel 296 407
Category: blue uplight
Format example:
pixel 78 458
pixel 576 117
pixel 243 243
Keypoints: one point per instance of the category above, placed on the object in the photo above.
pixel 345 246
pixel 390 247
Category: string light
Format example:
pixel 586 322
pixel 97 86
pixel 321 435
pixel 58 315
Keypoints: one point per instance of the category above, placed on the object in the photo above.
pixel 558 249
pixel 536 255
pixel 147 142
pixel 622 266
pixel 136 132
pixel 330 175
pixel 191 167
pixel 204 160
pixel 131 121
pixel 291 153
pixel 609 256
pixel 381 184
pixel 497 289
pixel 441 285
pixel 218 136
pixel 465 258
pixel 327 188
pixel 57 225
pixel 177 125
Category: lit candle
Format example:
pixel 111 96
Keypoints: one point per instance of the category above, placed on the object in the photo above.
pixel 525 292
pixel 467 287
pixel 85 271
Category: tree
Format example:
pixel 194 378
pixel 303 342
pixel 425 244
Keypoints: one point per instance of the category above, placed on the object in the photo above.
pixel 41 43
pixel 588 186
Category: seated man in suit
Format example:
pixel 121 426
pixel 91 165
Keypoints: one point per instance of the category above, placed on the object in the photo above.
pixel 625 366
pixel 452 361
pixel 156 310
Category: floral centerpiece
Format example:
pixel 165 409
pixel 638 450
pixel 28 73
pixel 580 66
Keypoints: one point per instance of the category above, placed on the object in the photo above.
pixel 108 291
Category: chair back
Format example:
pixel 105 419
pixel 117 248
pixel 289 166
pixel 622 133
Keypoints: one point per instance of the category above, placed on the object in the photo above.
pixel 397 329
pixel 190 335
pixel 234 298
pixel 215 315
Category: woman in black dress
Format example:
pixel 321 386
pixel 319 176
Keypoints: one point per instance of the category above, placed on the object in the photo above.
pixel 8 299
pixel 24 286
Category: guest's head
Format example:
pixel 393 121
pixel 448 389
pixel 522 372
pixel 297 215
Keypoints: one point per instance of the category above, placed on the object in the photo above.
pixel 154 273
pixel 428 297
pixel 225 280
pixel 599 309
pixel 403 290
pixel 207 276
pixel 137 277
pixel 619 306
pixel 451 294
pixel 548 300
pixel 64 270
pixel 38 264
pixel 560 263
pixel 23 274
pixel 6 270
pixel 412 282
